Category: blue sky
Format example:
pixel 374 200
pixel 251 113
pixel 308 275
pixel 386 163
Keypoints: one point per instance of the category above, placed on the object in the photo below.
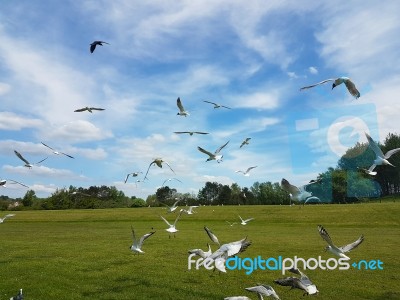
pixel 251 55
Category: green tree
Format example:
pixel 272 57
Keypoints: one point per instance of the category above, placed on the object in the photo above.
pixel 29 198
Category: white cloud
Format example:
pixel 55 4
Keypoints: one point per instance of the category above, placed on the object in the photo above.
pixel 313 70
pixel 4 88
pixel 12 121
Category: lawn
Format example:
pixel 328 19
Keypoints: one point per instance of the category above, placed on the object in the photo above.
pixel 84 254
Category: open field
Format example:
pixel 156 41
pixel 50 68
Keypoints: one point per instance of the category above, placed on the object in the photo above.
pixel 83 254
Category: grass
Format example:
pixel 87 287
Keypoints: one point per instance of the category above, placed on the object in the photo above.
pixel 79 254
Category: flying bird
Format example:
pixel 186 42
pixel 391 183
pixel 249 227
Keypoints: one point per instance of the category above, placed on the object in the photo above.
pixel 137 244
pixel 214 156
pixel 172 208
pixel 190 211
pixel 381 159
pixel 211 235
pixel 57 152
pixel 89 109
pixel 4 181
pixel 182 111
pixel 298 193
pixel 302 283
pixel 338 251
pixel 244 222
pixel 246 173
pixel 158 162
pixel 172 227
pixel 231 223
pixel 201 253
pixel 169 179
pixel 190 132
pixel 5 217
pixel 216 105
pixel 338 81
pixel 96 43
pixel 27 163
pixel 134 174
pixel 263 290
pixel 245 142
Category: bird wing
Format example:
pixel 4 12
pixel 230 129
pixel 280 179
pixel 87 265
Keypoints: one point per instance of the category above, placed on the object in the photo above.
pixel 353 245
pixel 391 152
pixel 248 220
pixel 235 247
pixel 165 221
pixel 210 102
pixel 126 178
pixel 211 235
pixel 226 107
pixel 371 168
pixel 67 155
pixel 239 171
pixel 181 132
pixel 205 151
pixel 81 109
pixel 374 146
pixel 153 162
pixel 288 281
pixel 21 157
pixel 144 237
pixel 250 169
pixel 351 87
pixel 97 108
pixel 179 103
pixel 47 146
pixel 200 132
pixel 177 218
pixel 133 235
pixel 324 234
pixel 42 160
pixel 322 82
pixel 14 181
pixel 92 47
pixel 169 166
pixel 220 148
pixel 294 190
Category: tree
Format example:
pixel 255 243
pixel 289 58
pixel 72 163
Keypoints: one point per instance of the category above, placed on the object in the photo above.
pixel 29 198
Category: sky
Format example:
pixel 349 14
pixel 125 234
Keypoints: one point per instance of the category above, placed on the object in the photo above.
pixel 252 56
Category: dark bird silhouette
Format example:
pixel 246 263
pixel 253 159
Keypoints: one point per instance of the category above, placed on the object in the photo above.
pixel 95 43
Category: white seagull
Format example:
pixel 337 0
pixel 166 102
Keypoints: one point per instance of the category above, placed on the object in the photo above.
pixel 169 179
pixel 244 222
pixel 173 207
pixel 57 152
pixel 263 290
pixel 137 244
pixel 246 173
pixel 190 211
pixel 89 109
pixel 5 217
pixel 338 251
pixel 216 105
pixel 27 163
pixel 4 181
pixel 214 156
pixel 302 283
pixel 211 235
pixel 134 174
pixel 190 132
pixel 158 162
pixel 338 81
pixel 182 111
pixel 172 227
pixel 381 159
pixel 298 193
pixel 245 142
pixel 201 253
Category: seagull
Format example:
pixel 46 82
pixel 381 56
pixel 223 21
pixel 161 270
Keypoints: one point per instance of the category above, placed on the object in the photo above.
pixel 338 81
pixel 211 235
pixel 134 174
pixel 172 227
pixel 137 244
pixel 369 171
pixel 245 142
pixel 169 179
pixel 89 109
pixel 263 289
pixel 244 222
pixel 338 251
pixel 96 43
pixel 246 173
pixel 4 181
pixel 190 132
pixel 182 111
pixel 57 152
pixel 297 193
pixel 190 211
pixel 216 105
pixel 173 207
pixel 19 296
pixel 231 223
pixel 302 283
pixel 158 162
pixel 381 159
pixel 5 217
pixel 201 253
pixel 214 156
pixel 27 163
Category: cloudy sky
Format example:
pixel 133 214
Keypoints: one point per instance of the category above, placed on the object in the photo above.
pixel 252 56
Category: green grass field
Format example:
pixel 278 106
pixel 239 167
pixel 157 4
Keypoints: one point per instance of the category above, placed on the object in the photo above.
pixel 79 254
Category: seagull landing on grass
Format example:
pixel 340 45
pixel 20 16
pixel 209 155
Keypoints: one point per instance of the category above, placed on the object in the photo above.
pixel 244 222
pixel 263 290
pixel 245 142
pixel 338 251
pixel 96 43
pixel 158 162
pixel 216 105
pixel 172 227
pixel 302 283
pixel 137 244
pixel 338 81
pixel 298 193
pixel 182 111
pixel 27 163
pixel 190 132
pixel 381 159
pixel 246 173
pixel 201 253
pixel 5 217
pixel 89 109
pixel 134 174
pixel 19 296
pixel 214 156
pixel 56 152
